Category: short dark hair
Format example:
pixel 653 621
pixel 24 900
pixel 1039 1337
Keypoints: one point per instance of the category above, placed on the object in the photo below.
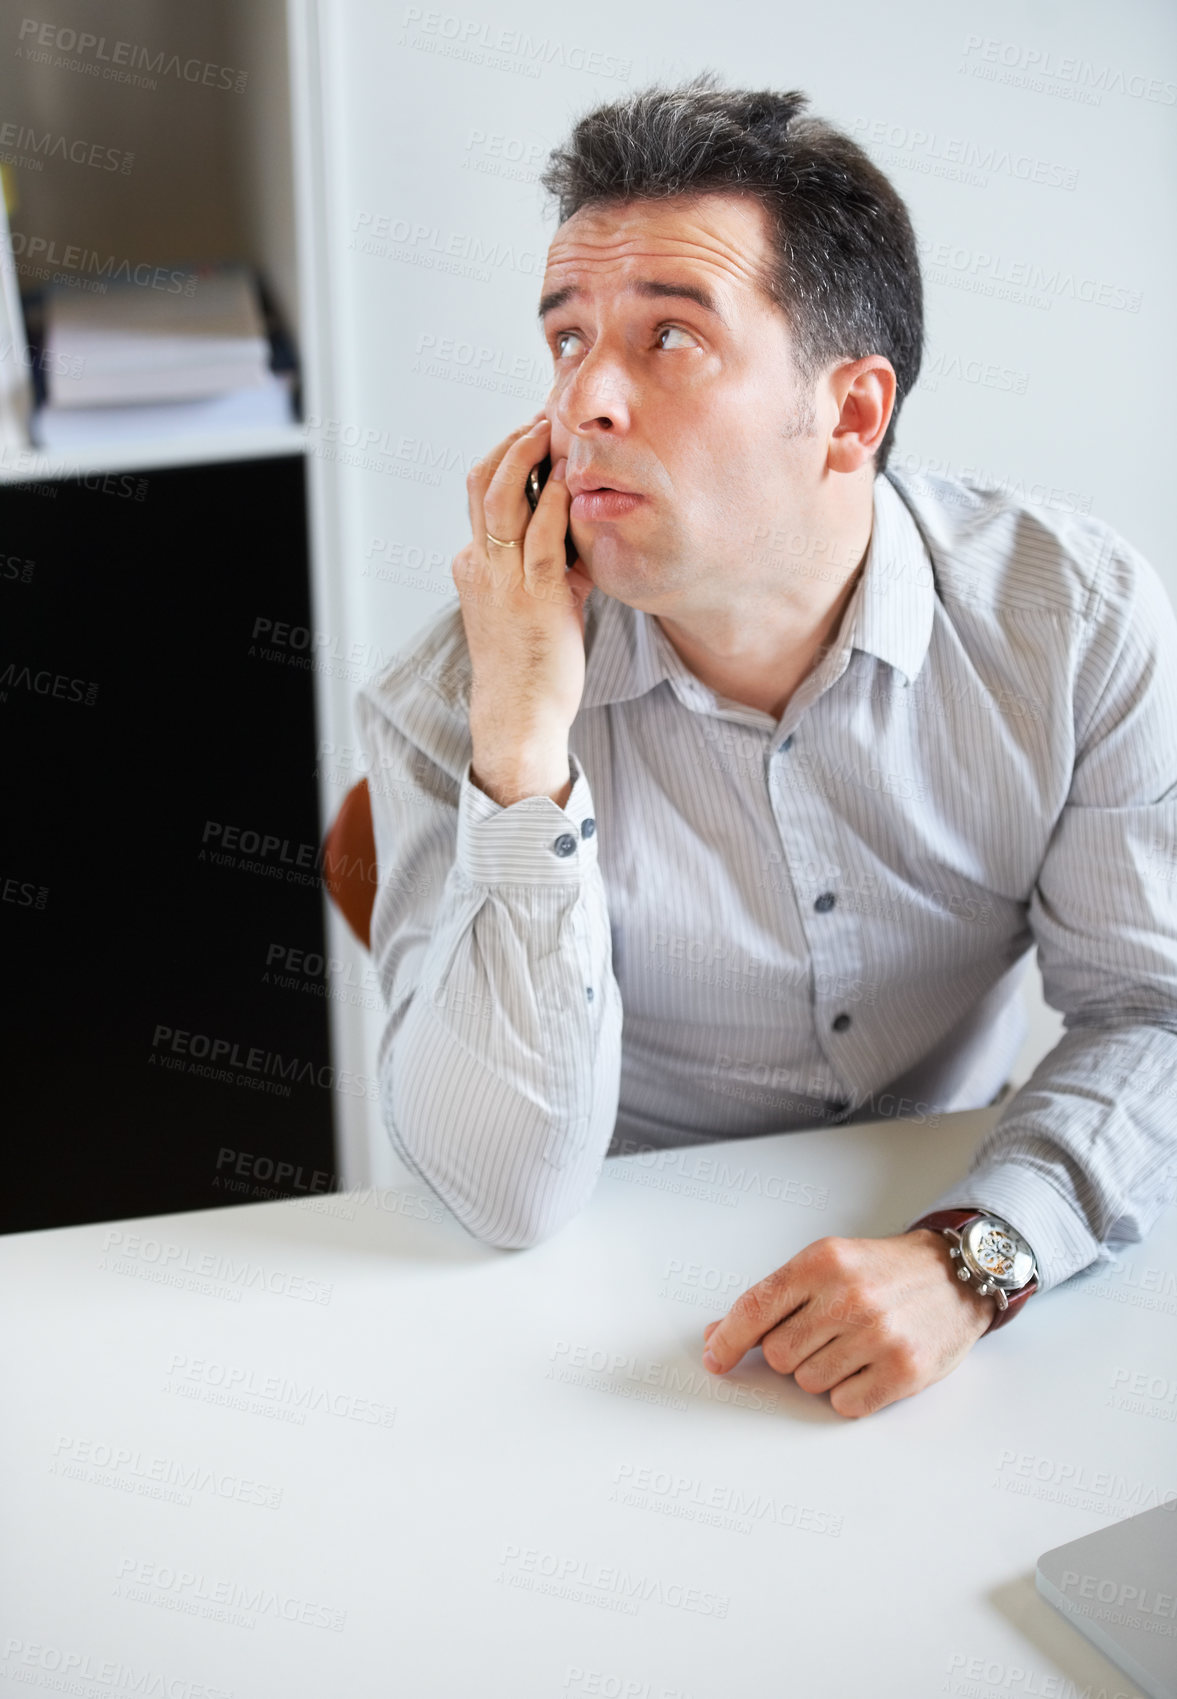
pixel 845 270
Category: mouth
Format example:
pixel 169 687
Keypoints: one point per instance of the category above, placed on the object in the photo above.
pixel 604 502
pixel 583 484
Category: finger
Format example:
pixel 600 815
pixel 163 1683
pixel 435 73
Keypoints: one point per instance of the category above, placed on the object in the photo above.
pixel 898 1364
pixel 808 1329
pixel 753 1314
pixel 505 507
pixel 545 569
pixel 828 1364
pixel 483 471
pixel 485 467
pixel 869 1390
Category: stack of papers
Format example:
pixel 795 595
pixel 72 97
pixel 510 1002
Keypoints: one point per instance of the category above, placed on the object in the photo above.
pixel 140 361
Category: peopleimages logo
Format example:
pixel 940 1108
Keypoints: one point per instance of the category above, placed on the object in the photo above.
pixel 497 48
pixel 625 1375
pixel 979 1677
pixel 66 1666
pixel 583 1581
pixel 695 1500
pixel 38 253
pixel 1121 1596
pixel 927 147
pixel 130 1470
pixel 238 1384
pixel 1035 67
pixel 217 1597
pixel 44 682
pixel 235 1061
pixel 41 40
pixel 43 145
pixel 132 1252
pixel 1057 1479
pixel 988 272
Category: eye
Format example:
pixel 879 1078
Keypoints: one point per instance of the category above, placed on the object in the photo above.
pixel 673 330
pixel 561 336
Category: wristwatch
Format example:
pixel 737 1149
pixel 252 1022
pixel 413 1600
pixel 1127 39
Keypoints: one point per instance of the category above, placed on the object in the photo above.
pixel 985 1249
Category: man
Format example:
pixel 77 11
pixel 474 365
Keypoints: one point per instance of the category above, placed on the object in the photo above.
pixel 793 765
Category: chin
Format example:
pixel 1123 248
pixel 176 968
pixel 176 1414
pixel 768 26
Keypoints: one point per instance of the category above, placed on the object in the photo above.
pixel 630 579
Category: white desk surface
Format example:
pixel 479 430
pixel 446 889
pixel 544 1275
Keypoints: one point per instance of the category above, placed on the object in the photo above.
pixel 338 1448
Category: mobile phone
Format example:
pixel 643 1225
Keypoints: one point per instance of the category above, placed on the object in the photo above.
pixel 536 479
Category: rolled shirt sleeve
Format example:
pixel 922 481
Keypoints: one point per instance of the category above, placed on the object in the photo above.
pixel 1084 1158
pixel 499 1065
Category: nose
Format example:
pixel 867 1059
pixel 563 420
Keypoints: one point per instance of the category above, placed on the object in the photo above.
pixel 594 399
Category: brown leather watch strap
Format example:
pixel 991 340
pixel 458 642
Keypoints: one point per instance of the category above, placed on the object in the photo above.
pixel 938 1219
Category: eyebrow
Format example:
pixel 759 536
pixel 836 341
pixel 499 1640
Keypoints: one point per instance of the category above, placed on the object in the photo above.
pixel 646 286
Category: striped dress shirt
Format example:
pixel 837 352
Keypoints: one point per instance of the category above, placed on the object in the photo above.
pixel 813 919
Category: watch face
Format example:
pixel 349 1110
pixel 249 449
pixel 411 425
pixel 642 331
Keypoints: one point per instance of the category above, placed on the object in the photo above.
pixel 1000 1254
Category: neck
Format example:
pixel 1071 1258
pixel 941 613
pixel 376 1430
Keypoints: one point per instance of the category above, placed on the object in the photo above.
pixel 758 643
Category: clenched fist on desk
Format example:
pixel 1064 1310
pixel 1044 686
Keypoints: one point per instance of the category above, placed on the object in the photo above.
pixel 867 1320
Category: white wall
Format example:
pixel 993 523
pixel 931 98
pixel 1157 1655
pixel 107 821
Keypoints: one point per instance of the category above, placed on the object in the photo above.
pixel 437 122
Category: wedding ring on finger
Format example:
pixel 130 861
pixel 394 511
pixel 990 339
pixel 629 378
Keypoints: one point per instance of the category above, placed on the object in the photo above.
pixel 502 545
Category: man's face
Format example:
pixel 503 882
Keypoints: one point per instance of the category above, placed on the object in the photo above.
pixel 698 411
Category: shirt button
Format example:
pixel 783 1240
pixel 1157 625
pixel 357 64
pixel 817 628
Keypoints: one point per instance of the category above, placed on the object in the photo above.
pixel 787 745
pixel 825 902
pixel 588 991
pixel 841 1022
pixel 587 828
pixel 838 1106
pixel 565 844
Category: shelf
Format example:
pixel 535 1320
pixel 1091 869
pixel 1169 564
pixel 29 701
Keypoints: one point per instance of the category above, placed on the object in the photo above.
pixel 34 465
pixel 208 178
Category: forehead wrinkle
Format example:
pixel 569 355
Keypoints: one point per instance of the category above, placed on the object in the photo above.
pixel 727 260
pixel 644 288
pixel 724 306
pixel 599 238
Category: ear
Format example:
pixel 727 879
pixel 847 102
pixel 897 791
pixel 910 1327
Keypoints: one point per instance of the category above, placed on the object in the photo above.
pixel 864 393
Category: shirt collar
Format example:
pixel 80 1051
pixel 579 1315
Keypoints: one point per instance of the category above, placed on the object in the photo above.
pixel 889 615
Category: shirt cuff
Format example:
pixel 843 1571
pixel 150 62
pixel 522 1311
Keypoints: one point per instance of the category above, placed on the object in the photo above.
pixel 1060 1239
pixel 533 842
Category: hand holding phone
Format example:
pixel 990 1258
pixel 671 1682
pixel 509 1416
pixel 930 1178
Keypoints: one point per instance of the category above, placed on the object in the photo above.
pixel 523 609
